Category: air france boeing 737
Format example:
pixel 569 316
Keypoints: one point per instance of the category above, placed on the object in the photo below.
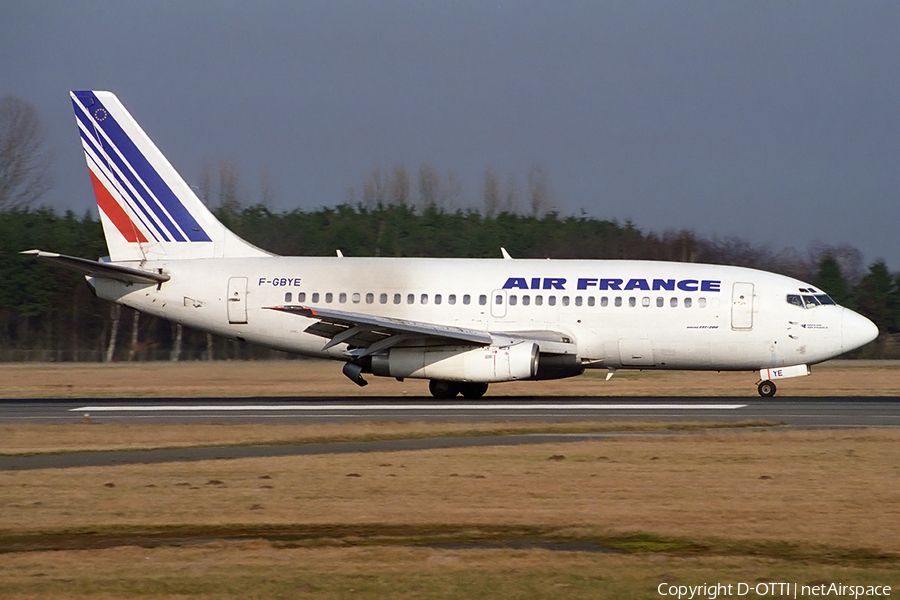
pixel 460 323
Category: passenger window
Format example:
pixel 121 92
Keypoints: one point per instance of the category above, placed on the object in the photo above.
pixel 396 298
pixel 437 298
pixel 673 302
pixel 315 297
pixel 618 301
pixel 355 298
pixel 660 302
pixel 578 300
pixel 466 299
pixel 701 303
pixel 551 300
pixel 526 300
pixel 382 299
pixel 482 299
pixel 411 299
pixel 591 301
pixel 370 298
pixel 342 297
pixel 632 301
pixel 645 301
pixel 498 299
pixel 604 301
pixel 424 298
pixel 513 299
pixel 688 302
pixel 329 297
pixel 451 299
pixel 538 300
pixel 565 300
pixel 287 297
pixel 301 297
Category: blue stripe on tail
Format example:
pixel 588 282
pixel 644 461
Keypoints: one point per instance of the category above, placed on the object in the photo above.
pixel 154 191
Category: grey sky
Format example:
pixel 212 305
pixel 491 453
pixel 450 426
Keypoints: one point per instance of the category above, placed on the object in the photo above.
pixel 778 122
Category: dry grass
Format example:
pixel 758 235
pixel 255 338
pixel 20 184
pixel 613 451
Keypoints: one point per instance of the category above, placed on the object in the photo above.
pixel 833 488
pixel 736 506
pixel 259 570
pixel 95 435
pixel 742 506
pixel 317 378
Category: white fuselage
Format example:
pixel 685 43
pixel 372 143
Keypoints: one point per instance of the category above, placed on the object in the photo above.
pixel 619 314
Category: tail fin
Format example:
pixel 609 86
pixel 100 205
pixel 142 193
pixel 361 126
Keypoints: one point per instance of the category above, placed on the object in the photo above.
pixel 147 210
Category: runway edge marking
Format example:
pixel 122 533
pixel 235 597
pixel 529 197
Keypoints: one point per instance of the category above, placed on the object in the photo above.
pixel 400 407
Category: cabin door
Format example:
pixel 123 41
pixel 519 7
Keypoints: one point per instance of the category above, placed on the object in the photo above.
pixel 742 306
pixel 237 300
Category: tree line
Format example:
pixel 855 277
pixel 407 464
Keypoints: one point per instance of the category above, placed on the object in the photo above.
pixel 50 314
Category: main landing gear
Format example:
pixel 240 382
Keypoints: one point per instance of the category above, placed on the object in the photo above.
pixel 766 388
pixel 444 390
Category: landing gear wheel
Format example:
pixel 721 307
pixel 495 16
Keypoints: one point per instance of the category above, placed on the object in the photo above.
pixel 766 389
pixel 443 390
pixel 473 390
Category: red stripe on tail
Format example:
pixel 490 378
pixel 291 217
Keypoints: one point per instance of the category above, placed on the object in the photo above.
pixel 115 212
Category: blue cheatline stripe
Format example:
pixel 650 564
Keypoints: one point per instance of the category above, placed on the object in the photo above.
pixel 138 164
pixel 102 148
pixel 137 207
pixel 103 173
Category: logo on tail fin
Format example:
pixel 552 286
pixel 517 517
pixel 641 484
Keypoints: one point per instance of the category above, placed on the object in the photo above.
pixel 130 190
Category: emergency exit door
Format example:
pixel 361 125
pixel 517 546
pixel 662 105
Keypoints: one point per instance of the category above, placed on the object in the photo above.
pixel 237 300
pixel 742 306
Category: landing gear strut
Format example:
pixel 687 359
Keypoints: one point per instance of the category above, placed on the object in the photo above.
pixel 766 389
pixel 445 390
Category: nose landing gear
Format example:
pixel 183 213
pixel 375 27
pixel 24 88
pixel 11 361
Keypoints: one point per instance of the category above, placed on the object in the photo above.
pixel 766 388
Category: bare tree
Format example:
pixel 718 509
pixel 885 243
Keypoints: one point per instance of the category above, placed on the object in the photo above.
pixel 24 164
pixel 511 194
pixel 429 187
pixel 133 348
pixel 205 187
pixel 229 192
pixel 491 193
pixel 373 189
pixel 115 314
pixel 266 189
pixel 538 190
pixel 398 186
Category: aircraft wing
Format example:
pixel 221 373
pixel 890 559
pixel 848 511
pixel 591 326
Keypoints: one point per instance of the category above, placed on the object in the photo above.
pixel 95 268
pixel 371 334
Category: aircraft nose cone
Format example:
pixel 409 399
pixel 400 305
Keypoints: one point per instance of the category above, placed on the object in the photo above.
pixel 856 330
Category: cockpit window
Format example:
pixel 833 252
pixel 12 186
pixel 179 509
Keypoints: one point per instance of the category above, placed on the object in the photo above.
pixel 809 301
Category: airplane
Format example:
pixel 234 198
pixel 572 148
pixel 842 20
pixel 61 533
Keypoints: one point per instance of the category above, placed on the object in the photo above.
pixel 462 324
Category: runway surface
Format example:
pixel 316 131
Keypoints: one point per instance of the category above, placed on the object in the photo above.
pixel 797 412
pixel 792 412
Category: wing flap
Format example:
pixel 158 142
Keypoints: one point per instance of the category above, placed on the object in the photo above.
pixel 375 333
pixel 370 329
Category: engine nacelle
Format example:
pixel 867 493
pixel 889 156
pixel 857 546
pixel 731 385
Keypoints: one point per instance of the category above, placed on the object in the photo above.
pixel 487 364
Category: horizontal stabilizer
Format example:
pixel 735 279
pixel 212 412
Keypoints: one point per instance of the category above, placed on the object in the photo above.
pixel 94 268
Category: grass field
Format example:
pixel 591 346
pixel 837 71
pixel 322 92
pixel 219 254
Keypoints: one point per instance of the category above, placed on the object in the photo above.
pixel 610 518
pixel 321 378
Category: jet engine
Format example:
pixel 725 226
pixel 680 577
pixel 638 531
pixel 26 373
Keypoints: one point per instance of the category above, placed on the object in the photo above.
pixel 484 364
